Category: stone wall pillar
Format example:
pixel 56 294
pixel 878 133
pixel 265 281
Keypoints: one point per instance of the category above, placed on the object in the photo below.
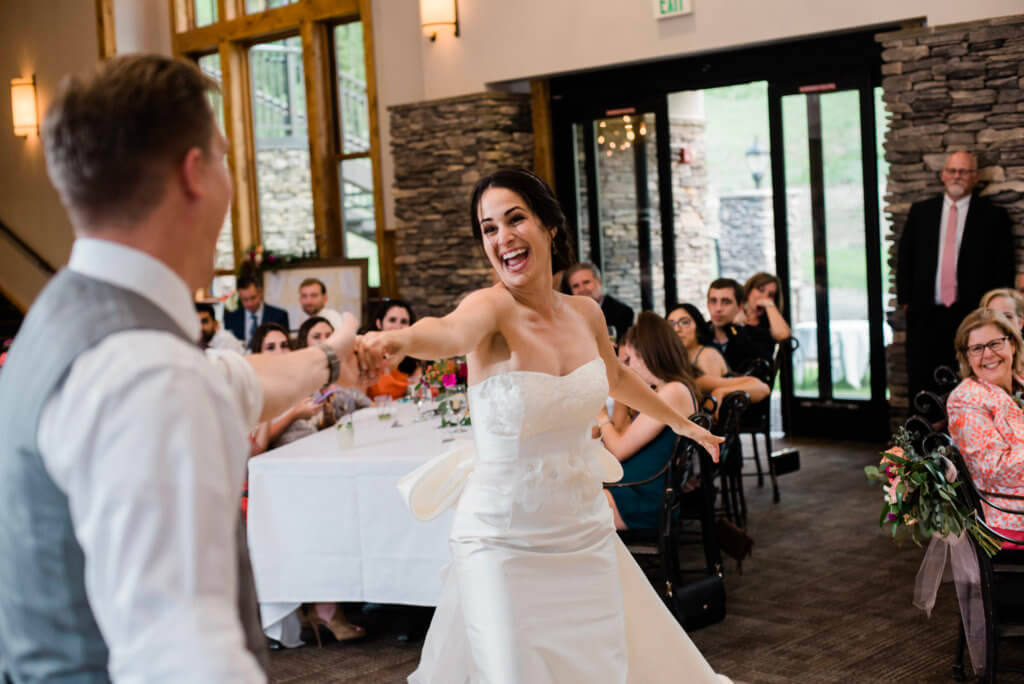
pixel 949 88
pixel 695 253
pixel 441 149
pixel 746 239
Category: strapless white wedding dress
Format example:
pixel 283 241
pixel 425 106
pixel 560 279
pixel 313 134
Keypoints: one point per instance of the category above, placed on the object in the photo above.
pixel 541 590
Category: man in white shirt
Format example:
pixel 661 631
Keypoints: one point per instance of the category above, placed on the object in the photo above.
pixel 212 336
pixel 127 493
pixel 313 299
pixel 954 248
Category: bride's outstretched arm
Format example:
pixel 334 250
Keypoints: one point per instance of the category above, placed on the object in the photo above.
pixel 433 338
pixel 627 387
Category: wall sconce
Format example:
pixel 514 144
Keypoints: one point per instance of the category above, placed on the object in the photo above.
pixel 439 13
pixel 23 106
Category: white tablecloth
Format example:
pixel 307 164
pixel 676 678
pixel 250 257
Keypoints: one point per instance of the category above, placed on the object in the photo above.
pixel 327 524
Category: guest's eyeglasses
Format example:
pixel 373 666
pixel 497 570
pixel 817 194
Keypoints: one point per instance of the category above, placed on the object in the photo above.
pixel 976 350
pixel 681 323
pixel 959 172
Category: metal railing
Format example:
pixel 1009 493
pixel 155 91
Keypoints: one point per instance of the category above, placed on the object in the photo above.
pixel 279 101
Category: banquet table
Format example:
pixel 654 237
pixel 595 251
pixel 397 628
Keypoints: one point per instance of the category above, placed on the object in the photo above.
pixel 326 523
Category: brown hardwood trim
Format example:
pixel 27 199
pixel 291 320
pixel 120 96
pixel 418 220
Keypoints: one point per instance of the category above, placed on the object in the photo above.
pixel 316 63
pixel 385 246
pixel 105 35
pixel 260 25
pixel 543 143
pixel 245 217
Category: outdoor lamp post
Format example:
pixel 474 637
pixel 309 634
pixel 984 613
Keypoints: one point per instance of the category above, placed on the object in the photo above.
pixel 757 161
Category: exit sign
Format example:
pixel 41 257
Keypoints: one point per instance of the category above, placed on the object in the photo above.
pixel 663 9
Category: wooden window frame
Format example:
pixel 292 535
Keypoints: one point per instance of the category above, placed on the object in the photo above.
pixel 231 36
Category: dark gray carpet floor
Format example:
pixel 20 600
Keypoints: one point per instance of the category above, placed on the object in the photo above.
pixel 826 596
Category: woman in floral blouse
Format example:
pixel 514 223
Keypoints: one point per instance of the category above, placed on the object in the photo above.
pixel 986 419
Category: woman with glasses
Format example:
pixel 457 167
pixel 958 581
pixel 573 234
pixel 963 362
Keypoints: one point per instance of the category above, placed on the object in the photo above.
pixel 986 419
pixel 693 330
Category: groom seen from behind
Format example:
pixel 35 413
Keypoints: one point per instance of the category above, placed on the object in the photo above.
pixel 124 444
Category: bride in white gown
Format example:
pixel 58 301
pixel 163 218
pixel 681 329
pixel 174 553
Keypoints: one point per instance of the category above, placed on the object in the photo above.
pixel 541 590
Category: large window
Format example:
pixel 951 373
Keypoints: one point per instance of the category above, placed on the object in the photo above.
pixel 280 130
pixel 355 170
pixel 303 144
pixel 210 65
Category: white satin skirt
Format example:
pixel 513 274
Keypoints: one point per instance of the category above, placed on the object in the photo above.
pixel 542 591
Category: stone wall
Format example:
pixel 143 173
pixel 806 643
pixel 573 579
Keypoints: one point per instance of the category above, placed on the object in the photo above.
pixel 441 149
pixel 948 88
pixel 695 249
pixel 286 205
pixel 616 179
pixel 746 240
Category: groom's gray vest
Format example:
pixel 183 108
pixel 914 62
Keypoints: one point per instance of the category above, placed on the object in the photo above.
pixel 47 630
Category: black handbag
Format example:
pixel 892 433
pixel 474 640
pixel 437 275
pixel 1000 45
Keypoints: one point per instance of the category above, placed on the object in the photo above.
pixel 784 461
pixel 701 603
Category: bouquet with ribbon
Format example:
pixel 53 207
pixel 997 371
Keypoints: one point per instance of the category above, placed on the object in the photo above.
pixel 921 496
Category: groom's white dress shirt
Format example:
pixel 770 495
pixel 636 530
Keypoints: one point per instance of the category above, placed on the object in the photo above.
pixel 148 440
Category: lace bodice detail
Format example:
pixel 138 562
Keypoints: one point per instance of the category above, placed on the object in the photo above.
pixel 532 435
pixel 529 403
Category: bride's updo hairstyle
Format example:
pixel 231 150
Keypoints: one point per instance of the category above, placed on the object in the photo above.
pixel 540 200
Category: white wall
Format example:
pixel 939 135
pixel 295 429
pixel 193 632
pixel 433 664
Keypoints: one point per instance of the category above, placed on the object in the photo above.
pixel 512 40
pixel 142 26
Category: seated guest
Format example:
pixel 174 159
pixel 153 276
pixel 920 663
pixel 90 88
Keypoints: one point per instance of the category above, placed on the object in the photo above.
pixel 395 314
pixel 985 419
pixel 211 335
pixel 655 353
pixel 313 300
pixel 763 305
pixel 695 335
pixel 344 400
pixel 585 280
pixel 300 420
pixel 253 312
pixel 1006 301
pixel 740 344
pixel 652 351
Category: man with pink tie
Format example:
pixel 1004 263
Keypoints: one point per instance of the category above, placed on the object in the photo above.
pixel 953 249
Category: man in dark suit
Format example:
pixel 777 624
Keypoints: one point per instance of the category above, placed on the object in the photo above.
pixel 953 249
pixel 585 279
pixel 253 313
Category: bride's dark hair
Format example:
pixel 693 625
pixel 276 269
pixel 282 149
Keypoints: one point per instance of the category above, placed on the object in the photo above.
pixel 540 200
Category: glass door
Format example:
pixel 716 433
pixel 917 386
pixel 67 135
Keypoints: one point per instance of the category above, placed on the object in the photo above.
pixel 618 205
pixel 827 222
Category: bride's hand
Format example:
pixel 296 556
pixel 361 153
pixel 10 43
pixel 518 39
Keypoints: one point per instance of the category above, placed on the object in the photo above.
pixel 379 352
pixel 701 436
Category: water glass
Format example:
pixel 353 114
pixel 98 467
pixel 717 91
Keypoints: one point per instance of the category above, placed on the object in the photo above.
pixel 346 431
pixel 385 406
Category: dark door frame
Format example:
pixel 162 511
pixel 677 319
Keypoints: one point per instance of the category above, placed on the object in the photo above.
pixel 842 57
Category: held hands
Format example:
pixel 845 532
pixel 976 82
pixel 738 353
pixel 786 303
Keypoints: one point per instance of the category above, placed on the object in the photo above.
pixel 378 353
pixel 343 341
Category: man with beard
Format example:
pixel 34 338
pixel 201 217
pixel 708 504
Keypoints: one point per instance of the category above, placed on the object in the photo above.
pixel 954 248
pixel 211 336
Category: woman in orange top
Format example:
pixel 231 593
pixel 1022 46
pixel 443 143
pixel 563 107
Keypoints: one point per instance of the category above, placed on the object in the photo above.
pixel 395 314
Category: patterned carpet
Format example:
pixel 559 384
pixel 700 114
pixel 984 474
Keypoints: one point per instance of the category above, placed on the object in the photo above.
pixel 826 597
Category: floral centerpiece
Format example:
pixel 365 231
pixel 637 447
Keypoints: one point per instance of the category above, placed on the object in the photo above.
pixel 922 496
pixel 446 379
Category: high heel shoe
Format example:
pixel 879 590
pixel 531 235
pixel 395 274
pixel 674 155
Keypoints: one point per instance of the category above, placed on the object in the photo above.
pixel 338 626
